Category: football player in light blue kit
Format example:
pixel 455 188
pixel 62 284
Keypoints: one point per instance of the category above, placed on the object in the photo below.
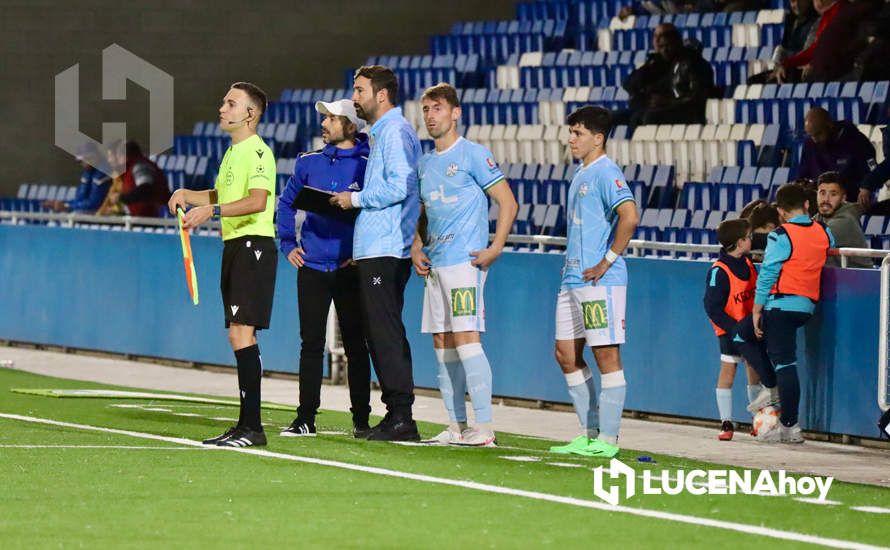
pixel 601 219
pixel 451 251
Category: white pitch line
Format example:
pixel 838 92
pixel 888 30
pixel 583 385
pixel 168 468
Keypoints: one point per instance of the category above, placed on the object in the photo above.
pixel 127 447
pixel 871 509
pixel 820 502
pixel 546 497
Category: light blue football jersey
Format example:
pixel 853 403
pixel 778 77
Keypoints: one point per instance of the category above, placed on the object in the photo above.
pixel 452 188
pixel 596 191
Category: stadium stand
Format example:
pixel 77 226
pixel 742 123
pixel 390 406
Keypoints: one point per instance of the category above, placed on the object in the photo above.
pixel 518 79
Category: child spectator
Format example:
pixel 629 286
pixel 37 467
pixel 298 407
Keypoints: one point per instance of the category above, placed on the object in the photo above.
pixel 788 289
pixel 729 298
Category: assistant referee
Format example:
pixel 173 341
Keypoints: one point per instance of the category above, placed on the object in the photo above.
pixel 243 200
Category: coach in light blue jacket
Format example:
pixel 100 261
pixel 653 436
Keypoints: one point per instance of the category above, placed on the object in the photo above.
pixel 384 232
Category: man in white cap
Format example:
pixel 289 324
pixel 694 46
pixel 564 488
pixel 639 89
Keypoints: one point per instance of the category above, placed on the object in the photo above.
pixel 321 251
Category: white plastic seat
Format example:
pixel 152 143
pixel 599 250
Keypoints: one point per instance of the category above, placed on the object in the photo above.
pixel 531 59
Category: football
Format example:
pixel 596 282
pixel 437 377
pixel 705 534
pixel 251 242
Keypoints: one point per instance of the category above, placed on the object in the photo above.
pixel 766 420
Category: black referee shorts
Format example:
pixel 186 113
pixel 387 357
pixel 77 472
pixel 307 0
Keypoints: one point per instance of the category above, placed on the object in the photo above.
pixel 247 280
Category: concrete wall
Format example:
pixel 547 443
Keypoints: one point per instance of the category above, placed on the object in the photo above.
pixel 204 44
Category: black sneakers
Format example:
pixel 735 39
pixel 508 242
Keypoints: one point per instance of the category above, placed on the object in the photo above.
pixel 244 437
pixel 361 429
pixel 393 428
pixel 299 428
pixel 217 439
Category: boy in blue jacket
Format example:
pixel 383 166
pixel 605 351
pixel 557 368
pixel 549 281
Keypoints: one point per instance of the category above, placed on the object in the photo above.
pixel 321 250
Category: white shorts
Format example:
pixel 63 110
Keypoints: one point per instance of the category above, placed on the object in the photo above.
pixel 595 313
pixel 453 299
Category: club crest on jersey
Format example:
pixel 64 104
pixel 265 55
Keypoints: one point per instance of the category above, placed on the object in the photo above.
pixel 582 190
pixel 451 170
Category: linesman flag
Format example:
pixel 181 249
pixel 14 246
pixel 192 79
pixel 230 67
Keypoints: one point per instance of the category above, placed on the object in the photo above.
pixel 191 278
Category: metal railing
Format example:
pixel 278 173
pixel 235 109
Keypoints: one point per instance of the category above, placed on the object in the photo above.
pixel 127 223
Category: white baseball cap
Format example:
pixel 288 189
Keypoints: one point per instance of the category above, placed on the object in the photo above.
pixel 341 107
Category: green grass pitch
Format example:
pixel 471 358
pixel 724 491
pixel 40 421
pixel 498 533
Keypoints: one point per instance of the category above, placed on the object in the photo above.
pixel 67 487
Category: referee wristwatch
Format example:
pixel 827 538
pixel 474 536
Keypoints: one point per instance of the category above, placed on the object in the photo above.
pixel 217 212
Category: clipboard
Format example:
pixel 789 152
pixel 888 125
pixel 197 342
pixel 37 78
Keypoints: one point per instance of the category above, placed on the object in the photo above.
pixel 313 199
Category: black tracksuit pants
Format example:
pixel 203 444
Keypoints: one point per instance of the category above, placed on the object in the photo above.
pixel 315 290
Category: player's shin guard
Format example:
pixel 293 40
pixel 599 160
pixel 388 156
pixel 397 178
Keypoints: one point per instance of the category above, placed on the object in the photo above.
pixel 583 394
pixel 250 371
pixel 611 405
pixel 789 393
pixel 478 373
pixel 452 384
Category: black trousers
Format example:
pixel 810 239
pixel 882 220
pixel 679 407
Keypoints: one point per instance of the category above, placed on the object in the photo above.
pixel 382 287
pixel 315 290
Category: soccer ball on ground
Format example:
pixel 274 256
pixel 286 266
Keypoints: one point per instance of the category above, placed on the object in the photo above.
pixel 766 420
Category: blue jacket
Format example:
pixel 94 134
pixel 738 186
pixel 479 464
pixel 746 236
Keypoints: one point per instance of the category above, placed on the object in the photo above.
pixel 91 191
pixel 327 241
pixel 390 201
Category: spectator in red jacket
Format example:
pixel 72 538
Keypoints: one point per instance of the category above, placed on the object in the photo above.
pixel 142 190
pixel 837 47
pixel 792 68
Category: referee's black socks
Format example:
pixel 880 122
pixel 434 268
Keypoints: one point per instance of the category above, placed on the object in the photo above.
pixel 250 370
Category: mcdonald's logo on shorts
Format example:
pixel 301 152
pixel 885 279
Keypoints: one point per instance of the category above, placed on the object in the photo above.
pixel 596 316
pixel 463 301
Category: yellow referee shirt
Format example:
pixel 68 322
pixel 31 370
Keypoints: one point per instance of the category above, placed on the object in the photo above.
pixel 245 166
